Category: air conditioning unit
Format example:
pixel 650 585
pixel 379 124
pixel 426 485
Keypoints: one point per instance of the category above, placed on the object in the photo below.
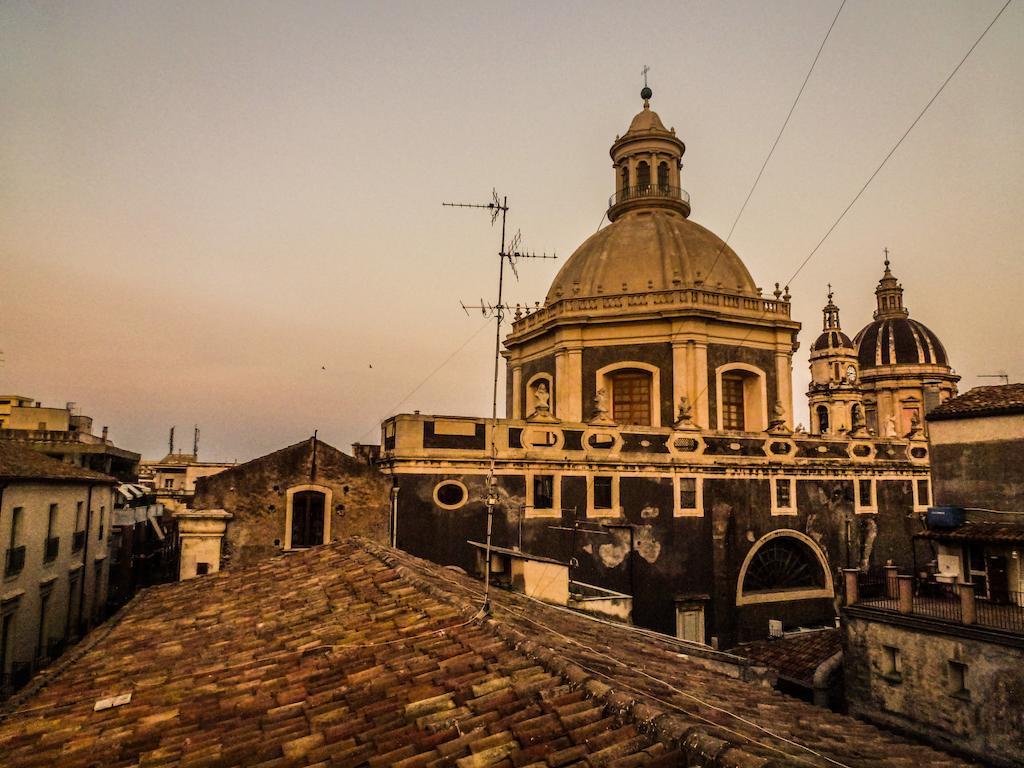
pixel 774 628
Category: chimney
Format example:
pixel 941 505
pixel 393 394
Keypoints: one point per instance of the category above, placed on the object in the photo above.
pixel 105 433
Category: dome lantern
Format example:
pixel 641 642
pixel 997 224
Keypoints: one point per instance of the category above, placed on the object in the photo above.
pixel 647 160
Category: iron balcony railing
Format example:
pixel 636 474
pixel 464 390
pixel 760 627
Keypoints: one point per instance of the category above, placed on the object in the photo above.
pixel 649 191
pixel 14 561
pixel 51 548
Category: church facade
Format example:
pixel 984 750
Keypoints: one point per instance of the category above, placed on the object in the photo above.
pixel 649 442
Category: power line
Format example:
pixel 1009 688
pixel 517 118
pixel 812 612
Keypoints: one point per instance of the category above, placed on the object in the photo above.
pixel 771 151
pixel 875 173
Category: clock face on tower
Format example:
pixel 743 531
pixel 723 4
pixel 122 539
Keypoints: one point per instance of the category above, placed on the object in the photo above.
pixel 851 374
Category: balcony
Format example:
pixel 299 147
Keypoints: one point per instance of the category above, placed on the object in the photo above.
pixel 646 196
pixel 78 541
pixel 50 549
pixel 14 561
pixel 926 597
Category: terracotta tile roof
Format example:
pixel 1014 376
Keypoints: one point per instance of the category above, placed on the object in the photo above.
pixel 1009 533
pixel 998 400
pixel 795 656
pixel 352 654
pixel 20 463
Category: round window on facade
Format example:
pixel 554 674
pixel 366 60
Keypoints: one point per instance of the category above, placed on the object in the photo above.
pixel 450 494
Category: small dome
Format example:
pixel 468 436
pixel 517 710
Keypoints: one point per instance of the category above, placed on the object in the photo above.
pixel 832 340
pixel 646 120
pixel 654 250
pixel 898 341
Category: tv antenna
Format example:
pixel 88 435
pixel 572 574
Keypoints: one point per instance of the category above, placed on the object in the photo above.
pixel 1001 375
pixel 498 206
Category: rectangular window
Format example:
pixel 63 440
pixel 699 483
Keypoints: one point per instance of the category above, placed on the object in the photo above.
pixel 687 493
pixel 733 416
pixel 103 520
pixel 543 491
pixel 79 507
pixel 892 665
pixel 958 680
pixel 51 523
pixel 690 623
pixel 783 493
pixel 865 495
pixel 602 492
pixel 169 483
pixel 44 604
pixel 924 494
pixel 15 526
pixel 6 633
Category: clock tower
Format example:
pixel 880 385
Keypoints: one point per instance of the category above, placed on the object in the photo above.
pixel 834 393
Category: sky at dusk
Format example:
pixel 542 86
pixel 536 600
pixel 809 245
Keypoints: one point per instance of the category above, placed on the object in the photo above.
pixel 229 213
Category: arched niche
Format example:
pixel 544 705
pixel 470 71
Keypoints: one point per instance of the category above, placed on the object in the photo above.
pixel 741 403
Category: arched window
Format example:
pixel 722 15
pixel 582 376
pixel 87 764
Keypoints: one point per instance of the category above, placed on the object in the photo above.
pixel 308 518
pixel 631 396
pixel 784 565
pixel 823 420
pixel 663 177
pixel 781 564
pixel 643 175
pixel 742 398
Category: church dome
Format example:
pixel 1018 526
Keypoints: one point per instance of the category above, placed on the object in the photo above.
pixel 652 250
pixel 831 340
pixel 898 341
pixel 893 338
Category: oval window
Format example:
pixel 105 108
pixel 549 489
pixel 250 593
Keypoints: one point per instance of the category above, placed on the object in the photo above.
pixel 451 494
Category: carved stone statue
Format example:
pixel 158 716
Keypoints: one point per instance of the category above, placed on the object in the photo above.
pixel 684 415
pixel 542 397
pixel 859 428
pixel 890 426
pixel 778 422
pixel 915 426
pixel 601 414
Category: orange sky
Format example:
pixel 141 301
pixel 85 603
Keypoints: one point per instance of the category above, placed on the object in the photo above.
pixel 225 213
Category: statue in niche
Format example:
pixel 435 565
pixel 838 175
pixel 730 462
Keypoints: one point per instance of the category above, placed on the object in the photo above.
pixel 890 426
pixel 541 403
pixel 684 415
pixel 859 428
pixel 915 426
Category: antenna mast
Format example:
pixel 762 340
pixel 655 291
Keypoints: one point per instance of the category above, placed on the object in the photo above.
pixel 498 207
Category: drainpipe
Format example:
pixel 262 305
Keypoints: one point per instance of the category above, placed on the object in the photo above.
pixel 394 515
pixel 85 555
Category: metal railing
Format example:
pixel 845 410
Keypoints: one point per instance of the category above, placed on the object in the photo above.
pixel 20 673
pixel 14 561
pixel 663 191
pixel 50 548
pixel 1006 612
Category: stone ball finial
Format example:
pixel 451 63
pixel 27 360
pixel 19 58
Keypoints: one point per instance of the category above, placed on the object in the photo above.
pixel 646 93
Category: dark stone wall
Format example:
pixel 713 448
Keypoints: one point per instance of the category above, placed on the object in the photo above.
pixel 659 558
pixel 255 493
pixel 659 355
pixel 988 475
pixel 720 354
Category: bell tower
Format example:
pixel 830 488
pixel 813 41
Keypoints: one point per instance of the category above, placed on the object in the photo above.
pixel 834 394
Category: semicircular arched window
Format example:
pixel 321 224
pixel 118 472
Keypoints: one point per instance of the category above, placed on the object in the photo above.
pixel 784 563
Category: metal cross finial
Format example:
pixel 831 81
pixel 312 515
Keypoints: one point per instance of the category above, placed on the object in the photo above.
pixel 830 291
pixel 644 72
pixel 886 249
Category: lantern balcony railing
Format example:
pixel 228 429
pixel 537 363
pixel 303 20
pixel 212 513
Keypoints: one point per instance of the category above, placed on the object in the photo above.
pixel 648 191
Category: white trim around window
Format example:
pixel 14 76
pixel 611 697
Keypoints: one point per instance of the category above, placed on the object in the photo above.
pixel 865 506
pixel 603 381
pixel 755 396
pixel 615 509
pixel 328 510
pixel 922 501
pixel 774 483
pixel 556 493
pixel 698 509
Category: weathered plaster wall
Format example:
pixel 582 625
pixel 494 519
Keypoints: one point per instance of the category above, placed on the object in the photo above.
pixel 988 720
pixel 987 473
pixel 255 493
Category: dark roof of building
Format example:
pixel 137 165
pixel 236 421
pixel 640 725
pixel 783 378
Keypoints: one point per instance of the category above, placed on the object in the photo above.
pixel 355 654
pixel 831 340
pixel 898 341
pixel 997 400
pixel 20 463
pixel 797 656
pixel 1009 533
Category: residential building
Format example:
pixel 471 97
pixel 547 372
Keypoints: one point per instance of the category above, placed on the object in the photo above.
pixel 142 546
pixel 66 435
pixel 172 479
pixel 353 653
pixel 306 494
pixel 55 522
pixel 649 435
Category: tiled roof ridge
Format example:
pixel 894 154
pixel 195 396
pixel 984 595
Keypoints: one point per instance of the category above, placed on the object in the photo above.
pixel 657 721
pixel 986 400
